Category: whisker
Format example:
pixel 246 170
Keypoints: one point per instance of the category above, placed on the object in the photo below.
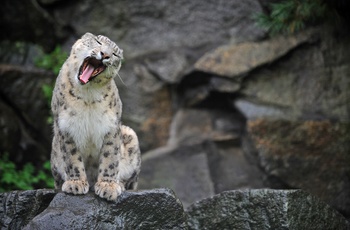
pixel 121 80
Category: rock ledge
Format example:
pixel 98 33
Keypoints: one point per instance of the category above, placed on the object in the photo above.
pixel 160 209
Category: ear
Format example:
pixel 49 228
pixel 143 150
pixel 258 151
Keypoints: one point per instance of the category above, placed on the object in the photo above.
pixel 120 52
pixel 88 35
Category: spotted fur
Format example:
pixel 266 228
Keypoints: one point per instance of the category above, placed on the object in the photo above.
pixel 90 145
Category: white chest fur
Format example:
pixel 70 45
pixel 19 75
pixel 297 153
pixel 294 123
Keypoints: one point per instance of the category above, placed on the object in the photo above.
pixel 88 123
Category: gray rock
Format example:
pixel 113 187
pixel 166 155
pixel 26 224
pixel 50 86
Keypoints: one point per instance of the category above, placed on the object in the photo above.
pixel 211 139
pixel 153 26
pixel 264 209
pixel 168 67
pixel 191 126
pixel 160 209
pixel 17 208
pixel 184 170
pixel 148 81
pixel 311 155
pixel 148 113
pixel 199 170
pixel 224 85
pixel 312 81
pixel 253 110
pixel 238 59
pixel 155 209
pixel 230 169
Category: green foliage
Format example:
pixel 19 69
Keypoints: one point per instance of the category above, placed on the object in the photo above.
pixel 52 61
pixel 27 178
pixel 290 16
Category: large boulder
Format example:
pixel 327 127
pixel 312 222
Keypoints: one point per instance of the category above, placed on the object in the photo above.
pixel 302 76
pixel 161 209
pixel 311 155
pixel 234 60
pixel 192 126
pixel 264 209
pixel 17 208
pixel 163 28
pixel 311 82
pixel 44 209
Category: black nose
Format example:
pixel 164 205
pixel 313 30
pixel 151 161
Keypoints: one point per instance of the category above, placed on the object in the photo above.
pixel 104 56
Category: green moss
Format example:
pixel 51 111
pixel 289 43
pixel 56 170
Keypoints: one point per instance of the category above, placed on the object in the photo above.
pixel 290 16
pixel 52 61
pixel 12 178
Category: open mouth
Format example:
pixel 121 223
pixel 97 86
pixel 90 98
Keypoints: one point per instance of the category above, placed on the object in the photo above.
pixel 90 68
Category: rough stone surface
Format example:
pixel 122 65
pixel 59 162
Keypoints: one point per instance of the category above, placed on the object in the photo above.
pixel 44 209
pixel 238 59
pixel 211 139
pixel 223 84
pixel 199 165
pixel 141 27
pixel 184 169
pixel 305 79
pixel 312 82
pixel 196 171
pixel 264 209
pixel 190 126
pixel 160 209
pixel 153 124
pixel 311 155
pixel 230 169
pixel 253 110
pixel 17 208
pixel 25 133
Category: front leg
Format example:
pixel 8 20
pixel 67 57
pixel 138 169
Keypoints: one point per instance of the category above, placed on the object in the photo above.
pixel 75 180
pixel 107 185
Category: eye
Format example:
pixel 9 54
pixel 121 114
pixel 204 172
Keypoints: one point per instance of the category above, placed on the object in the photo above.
pixel 98 42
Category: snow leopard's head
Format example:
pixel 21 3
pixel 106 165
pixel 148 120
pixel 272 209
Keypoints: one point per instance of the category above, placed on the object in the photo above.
pixel 99 59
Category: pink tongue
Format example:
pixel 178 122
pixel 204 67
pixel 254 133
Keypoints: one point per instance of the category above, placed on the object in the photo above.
pixel 85 76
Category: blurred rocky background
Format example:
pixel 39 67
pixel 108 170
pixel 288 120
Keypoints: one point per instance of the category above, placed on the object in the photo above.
pixel 218 102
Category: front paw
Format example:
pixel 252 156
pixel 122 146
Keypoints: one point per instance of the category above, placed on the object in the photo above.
pixel 75 187
pixel 108 190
